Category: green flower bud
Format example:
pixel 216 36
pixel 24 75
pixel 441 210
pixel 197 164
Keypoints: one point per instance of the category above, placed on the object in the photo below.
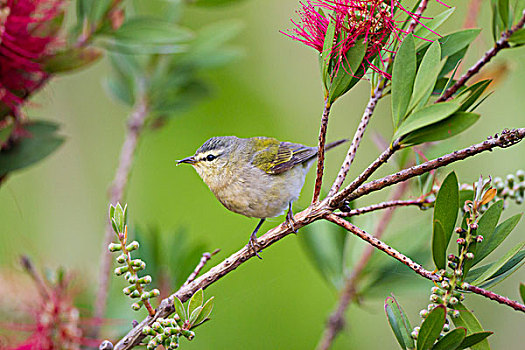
pixel 453 301
pixel 145 280
pixel 132 246
pixel 469 255
pixel 188 334
pixel 136 306
pixel 132 279
pixel 121 270
pixel 114 247
pixel 446 327
pixel 135 294
pixel 414 335
pixel 455 314
pixel 129 290
pixel 445 285
pixel 154 293
pixel 423 313
pixel 121 259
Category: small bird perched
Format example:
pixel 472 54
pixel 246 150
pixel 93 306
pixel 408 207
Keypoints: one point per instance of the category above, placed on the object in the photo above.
pixel 257 177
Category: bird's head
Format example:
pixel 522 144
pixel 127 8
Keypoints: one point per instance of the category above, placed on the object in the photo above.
pixel 212 158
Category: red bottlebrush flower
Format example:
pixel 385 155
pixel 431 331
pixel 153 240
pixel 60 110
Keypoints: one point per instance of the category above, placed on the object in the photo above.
pixel 24 40
pixel 371 21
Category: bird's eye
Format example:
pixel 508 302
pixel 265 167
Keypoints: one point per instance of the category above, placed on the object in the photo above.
pixel 210 157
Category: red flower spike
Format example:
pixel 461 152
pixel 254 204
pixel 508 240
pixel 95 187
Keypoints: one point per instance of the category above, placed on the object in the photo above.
pixel 23 42
pixel 372 21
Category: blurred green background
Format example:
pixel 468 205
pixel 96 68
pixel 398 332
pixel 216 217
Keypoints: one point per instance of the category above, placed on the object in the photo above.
pixel 56 210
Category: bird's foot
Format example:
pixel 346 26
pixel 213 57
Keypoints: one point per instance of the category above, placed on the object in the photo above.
pixel 254 245
pixel 290 221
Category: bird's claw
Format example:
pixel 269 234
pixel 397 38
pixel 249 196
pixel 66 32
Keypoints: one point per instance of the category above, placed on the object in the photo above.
pixel 290 221
pixel 254 245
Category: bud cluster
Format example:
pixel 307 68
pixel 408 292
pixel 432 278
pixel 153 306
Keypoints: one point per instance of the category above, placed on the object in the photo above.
pixel 167 332
pixel 130 267
pixel 512 187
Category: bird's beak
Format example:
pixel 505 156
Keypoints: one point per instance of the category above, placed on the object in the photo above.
pixel 188 160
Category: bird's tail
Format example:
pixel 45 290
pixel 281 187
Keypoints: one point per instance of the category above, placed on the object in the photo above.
pixel 334 144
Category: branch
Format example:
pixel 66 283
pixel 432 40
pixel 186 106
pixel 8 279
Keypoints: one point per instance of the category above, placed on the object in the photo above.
pixel 369 110
pixel 496 297
pixel 336 320
pixel 417 15
pixel 382 159
pixel 205 258
pixel 419 202
pixel 313 213
pixel 506 139
pixel 116 193
pixel 320 151
pixel 415 266
pixel 502 43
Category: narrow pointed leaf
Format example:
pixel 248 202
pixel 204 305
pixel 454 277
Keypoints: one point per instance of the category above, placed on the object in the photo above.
pixel 426 116
pixel 179 309
pixel 444 129
pixel 195 314
pixel 445 215
pixel 474 339
pixel 431 328
pixel 518 37
pixel 467 320
pixel 427 73
pixel 404 73
pixel 509 267
pixel 206 312
pixel 522 292
pixel 350 71
pixel 505 271
pixel 195 301
pixel 433 24
pixel 499 264
pixel 399 323
pixel 492 240
pixel 470 95
pixel 452 340
pixel 326 54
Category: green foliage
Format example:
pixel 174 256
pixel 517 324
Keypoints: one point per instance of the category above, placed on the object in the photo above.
pixel 403 76
pixel 429 25
pixel 325 243
pixel 498 264
pixel 445 214
pixel 399 323
pixel 467 320
pixel 427 74
pixel 453 340
pixel 431 328
pixel 44 140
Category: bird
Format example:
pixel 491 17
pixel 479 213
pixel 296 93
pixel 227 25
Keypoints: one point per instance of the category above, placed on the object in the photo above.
pixel 258 177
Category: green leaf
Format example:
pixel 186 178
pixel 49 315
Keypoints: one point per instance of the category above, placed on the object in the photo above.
pixel 431 328
pixel 470 95
pixel 71 59
pixel 426 116
pixel 508 269
pixel 325 244
pixel 399 323
pixel 491 240
pixel 474 338
pixel 149 35
pixel 433 24
pixel 195 314
pixel 522 292
pixel 349 72
pixel 453 43
pixel 98 9
pixel 452 62
pixel 404 73
pixel 179 309
pixel 5 130
pixel 452 340
pixel 503 10
pixel 326 54
pixel 444 129
pixel 205 313
pixel 195 301
pixel 445 215
pixel 41 142
pixel 467 320
pixel 518 37
pixel 427 73
pixel 499 264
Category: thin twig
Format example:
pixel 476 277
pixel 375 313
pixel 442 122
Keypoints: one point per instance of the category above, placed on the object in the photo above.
pixel 502 43
pixel 358 136
pixel 419 202
pixel 314 212
pixel 349 292
pixel 505 139
pixel 205 258
pixel 116 193
pixel 417 15
pixel 496 297
pixel 382 159
pixel 320 151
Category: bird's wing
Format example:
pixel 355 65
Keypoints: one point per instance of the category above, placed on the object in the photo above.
pixel 278 157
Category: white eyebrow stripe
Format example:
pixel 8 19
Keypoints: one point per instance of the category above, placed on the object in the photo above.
pixel 202 156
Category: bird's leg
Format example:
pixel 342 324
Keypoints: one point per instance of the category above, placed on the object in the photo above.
pixel 289 218
pixel 253 239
